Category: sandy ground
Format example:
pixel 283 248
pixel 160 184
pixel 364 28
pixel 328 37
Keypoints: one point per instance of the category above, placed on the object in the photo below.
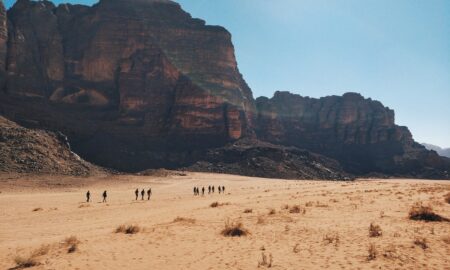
pixel 331 230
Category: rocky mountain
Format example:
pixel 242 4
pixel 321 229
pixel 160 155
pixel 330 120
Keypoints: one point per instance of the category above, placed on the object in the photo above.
pixel 445 152
pixel 37 151
pixel 140 84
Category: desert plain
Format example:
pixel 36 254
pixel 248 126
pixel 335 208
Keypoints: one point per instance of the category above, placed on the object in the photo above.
pixel 289 224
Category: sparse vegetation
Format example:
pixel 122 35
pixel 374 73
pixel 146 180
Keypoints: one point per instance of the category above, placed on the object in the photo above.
pixel 372 252
pixel 233 229
pixel 217 204
pixel 425 213
pixel 248 210
pixel 37 209
pixel 128 229
pixel 266 261
pixel 72 243
pixel 184 220
pixel 331 238
pixel 421 242
pixel 31 260
pixel 272 211
pixel 374 230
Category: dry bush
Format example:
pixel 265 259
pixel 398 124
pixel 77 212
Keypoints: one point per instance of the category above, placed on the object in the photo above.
pixel 447 198
pixel 309 204
pixel 248 210
pixel 372 252
pixel 374 230
pixel 266 262
pixel 272 211
pixel 217 204
pixel 71 243
pixel 184 220
pixel 128 229
pixel 390 252
pixel 233 229
pixel 295 209
pixel 37 209
pixel 421 242
pixel 331 238
pixel 31 260
pixel 421 212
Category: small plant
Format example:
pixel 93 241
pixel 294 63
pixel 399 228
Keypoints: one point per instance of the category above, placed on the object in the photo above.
pixel 248 210
pixel 272 211
pixel 374 230
pixel 372 252
pixel 295 209
pixel 31 260
pixel 421 212
pixel 37 209
pixel 309 204
pixel 265 261
pixel 128 229
pixel 72 244
pixel 233 229
pixel 332 238
pixel 421 242
pixel 214 204
pixel 184 220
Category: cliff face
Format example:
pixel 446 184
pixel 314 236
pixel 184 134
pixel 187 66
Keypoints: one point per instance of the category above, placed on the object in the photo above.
pixel 360 133
pixel 123 72
pixel 3 45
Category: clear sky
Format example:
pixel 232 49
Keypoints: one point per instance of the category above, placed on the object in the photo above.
pixel 397 52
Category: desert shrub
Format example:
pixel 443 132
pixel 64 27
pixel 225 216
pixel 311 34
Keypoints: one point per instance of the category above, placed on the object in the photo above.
pixel 184 220
pixel 233 229
pixel 374 230
pixel 266 261
pixel 295 209
pixel 421 242
pixel 214 204
pixel 331 238
pixel 248 210
pixel 309 204
pixel 128 229
pixel 421 212
pixel 31 260
pixel 272 211
pixel 71 243
pixel 37 209
pixel 372 252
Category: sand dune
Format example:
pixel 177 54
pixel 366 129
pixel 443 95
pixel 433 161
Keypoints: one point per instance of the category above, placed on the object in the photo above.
pixel 295 224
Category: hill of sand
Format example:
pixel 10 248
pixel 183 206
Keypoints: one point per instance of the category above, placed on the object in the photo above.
pixel 329 229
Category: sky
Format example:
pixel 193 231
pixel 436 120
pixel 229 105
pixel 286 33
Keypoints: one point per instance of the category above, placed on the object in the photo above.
pixel 397 52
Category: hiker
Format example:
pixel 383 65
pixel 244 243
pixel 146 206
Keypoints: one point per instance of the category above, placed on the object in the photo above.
pixel 136 192
pixel 142 194
pixel 212 189
pixel 223 189
pixel 88 196
pixel 104 196
pixel 220 189
pixel 149 193
pixel 209 189
pixel 203 191
pixel 195 191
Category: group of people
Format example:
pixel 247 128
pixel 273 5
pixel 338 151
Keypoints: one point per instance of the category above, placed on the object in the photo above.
pixel 136 192
pixel 149 194
pixel 210 190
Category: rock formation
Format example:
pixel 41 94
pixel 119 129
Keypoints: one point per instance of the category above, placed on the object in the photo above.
pixel 37 151
pixel 139 84
pixel 444 152
pixel 360 133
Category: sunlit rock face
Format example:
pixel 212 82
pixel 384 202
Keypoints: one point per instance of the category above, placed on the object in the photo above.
pixel 360 133
pixel 123 72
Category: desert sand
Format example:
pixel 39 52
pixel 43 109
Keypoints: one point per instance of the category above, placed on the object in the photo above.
pixel 330 229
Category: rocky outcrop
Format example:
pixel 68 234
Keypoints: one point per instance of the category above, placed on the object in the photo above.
pixel 360 133
pixel 123 72
pixel 37 151
pixel 3 44
pixel 444 152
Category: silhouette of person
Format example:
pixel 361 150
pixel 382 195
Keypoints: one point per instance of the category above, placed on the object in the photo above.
pixel 195 191
pixel 136 192
pixel 209 189
pixel 104 196
pixel 88 196
pixel 142 194
pixel 212 189
pixel 223 189
pixel 220 189
pixel 203 191
pixel 149 193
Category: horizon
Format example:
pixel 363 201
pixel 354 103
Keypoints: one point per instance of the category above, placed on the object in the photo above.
pixel 393 52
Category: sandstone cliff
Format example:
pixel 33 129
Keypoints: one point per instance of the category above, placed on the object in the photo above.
pixel 360 133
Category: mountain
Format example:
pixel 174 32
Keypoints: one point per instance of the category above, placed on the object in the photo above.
pixel 445 152
pixel 37 151
pixel 140 84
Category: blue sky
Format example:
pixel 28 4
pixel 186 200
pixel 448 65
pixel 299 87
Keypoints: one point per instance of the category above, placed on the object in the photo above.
pixel 397 52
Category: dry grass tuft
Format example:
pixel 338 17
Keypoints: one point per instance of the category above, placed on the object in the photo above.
pixel 233 229
pixel 372 252
pixel 421 242
pixel 272 211
pixel 184 220
pixel 374 230
pixel 248 210
pixel 72 243
pixel 266 261
pixel 421 212
pixel 332 238
pixel 31 260
pixel 217 204
pixel 128 229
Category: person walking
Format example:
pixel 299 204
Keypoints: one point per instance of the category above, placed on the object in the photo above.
pixel 212 189
pixel 136 192
pixel 88 196
pixel 142 194
pixel 149 193
pixel 203 191
pixel 209 189
pixel 223 189
pixel 104 196
pixel 220 189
